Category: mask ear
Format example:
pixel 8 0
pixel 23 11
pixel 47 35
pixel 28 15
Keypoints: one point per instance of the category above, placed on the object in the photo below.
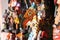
pixel 27 14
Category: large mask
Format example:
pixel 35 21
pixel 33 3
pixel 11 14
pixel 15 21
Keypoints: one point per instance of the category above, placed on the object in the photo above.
pixel 29 13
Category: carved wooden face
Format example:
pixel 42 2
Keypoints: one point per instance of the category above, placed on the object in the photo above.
pixel 29 16
pixel 29 13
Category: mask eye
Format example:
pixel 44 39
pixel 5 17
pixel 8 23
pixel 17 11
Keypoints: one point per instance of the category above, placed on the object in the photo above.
pixel 29 13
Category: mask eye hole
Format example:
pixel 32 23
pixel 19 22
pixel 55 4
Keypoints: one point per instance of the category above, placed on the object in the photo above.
pixel 29 13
